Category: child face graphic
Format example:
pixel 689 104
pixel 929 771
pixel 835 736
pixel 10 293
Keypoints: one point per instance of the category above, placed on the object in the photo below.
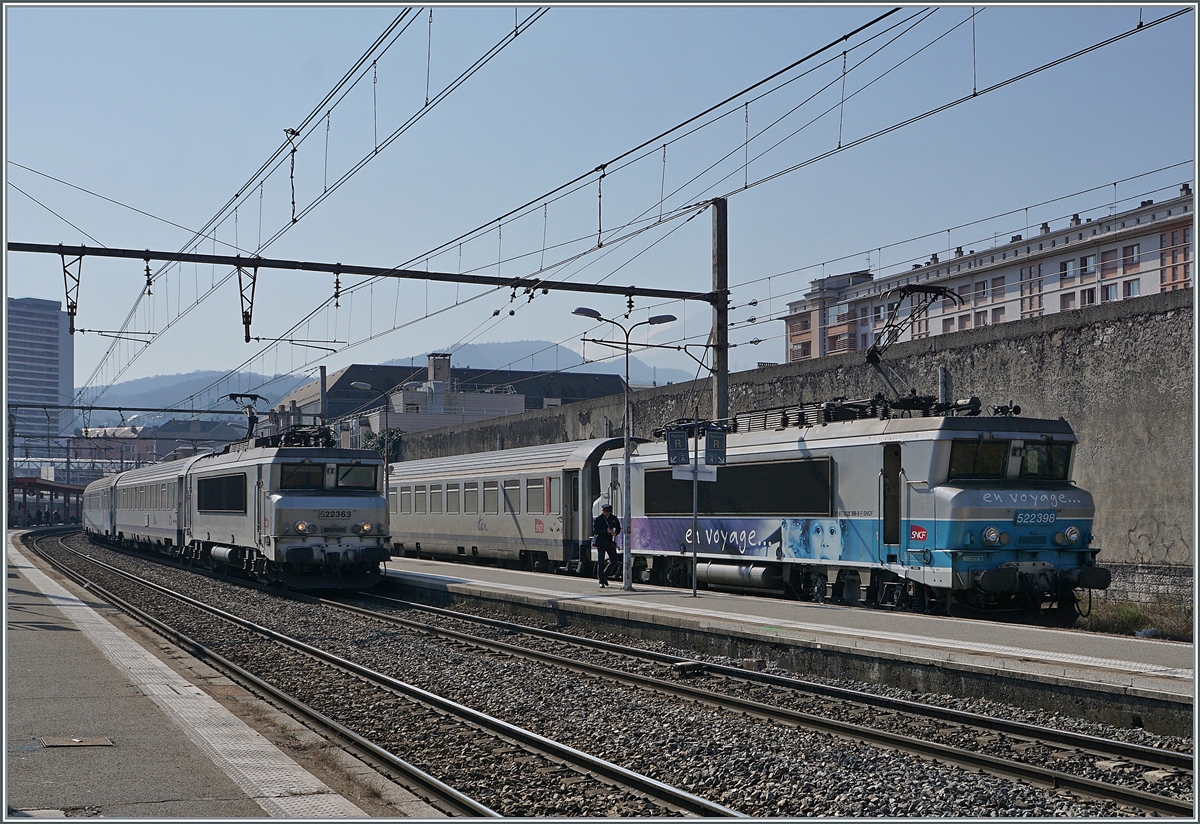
pixel 825 537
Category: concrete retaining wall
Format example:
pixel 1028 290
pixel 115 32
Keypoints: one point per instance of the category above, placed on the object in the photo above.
pixel 1120 373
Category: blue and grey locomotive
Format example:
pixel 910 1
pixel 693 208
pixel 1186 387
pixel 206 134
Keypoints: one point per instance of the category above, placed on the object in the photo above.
pixel 914 505
pixel 289 509
pixel 925 512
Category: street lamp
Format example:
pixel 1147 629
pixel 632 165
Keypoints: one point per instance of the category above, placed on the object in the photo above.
pixel 386 453
pixel 626 500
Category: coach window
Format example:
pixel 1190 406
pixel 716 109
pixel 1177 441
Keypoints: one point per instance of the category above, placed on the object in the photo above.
pixel 301 476
pixel 491 498
pixel 471 498
pixel 452 499
pixel 435 499
pixel 512 495
pixel 555 496
pixel 535 496
pixel 406 500
pixel 978 459
pixel 393 500
pixel 419 499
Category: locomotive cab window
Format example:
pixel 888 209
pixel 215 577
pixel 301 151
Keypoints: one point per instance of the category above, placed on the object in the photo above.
pixel 356 477
pixel 301 476
pixel 978 460
pixel 1046 461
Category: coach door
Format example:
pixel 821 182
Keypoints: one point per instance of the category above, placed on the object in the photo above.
pixel 891 502
pixel 570 531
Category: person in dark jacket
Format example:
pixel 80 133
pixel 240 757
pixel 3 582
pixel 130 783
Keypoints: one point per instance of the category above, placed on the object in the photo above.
pixel 605 529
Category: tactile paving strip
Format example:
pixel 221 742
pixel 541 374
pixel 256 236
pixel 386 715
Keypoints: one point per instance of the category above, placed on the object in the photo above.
pixel 280 786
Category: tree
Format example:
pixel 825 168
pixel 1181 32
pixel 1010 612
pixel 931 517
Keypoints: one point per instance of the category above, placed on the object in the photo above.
pixel 372 440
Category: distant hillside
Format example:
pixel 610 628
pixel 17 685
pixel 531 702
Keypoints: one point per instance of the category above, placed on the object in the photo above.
pixel 162 391
pixel 541 355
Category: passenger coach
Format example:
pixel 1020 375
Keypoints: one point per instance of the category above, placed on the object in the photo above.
pixel 528 507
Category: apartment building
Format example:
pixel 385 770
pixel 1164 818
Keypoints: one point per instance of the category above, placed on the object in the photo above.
pixel 39 372
pixel 1083 263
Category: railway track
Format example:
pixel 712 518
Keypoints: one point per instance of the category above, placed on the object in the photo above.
pixel 1017 736
pixel 503 740
pixel 731 747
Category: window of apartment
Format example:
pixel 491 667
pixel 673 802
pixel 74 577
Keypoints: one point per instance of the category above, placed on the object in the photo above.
pixel 997 288
pixel 1087 297
pixel 1131 288
pixel 1066 271
pixel 998 315
pixel 1108 293
pixel 947 325
pixel 1131 258
pixel 862 316
pixel 980 319
pixel 863 340
pixel 535 496
pixel 471 497
pixel 491 498
pixel 452 499
pixel 800 351
pixel 877 314
pixel 981 289
pixel 964 322
pixel 1108 263
pixel 1066 301
pixel 803 322
pixel 1087 266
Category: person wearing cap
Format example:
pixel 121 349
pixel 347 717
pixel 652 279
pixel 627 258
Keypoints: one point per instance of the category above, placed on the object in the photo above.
pixel 606 528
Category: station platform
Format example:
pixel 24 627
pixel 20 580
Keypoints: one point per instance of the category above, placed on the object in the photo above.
pixel 1117 679
pixel 100 720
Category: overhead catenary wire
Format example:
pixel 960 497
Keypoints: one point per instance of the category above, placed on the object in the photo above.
pixel 479 63
pixel 1060 60
pixel 762 180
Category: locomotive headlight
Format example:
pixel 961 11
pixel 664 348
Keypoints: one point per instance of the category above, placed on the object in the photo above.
pixel 991 536
pixel 364 528
pixel 367 527
pixel 304 527
pixel 1072 535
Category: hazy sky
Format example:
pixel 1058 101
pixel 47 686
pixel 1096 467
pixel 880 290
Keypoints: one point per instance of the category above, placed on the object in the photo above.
pixel 172 110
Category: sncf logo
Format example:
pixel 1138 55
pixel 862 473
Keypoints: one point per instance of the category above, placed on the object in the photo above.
pixel 917 533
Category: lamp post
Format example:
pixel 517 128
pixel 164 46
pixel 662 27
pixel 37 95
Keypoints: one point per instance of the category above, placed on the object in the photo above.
pixel 626 500
pixel 386 403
